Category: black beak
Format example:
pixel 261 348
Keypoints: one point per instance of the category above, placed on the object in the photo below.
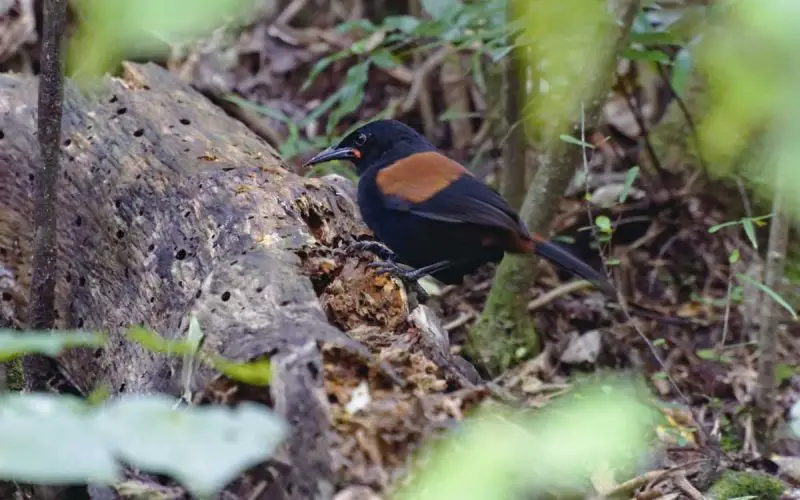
pixel 334 154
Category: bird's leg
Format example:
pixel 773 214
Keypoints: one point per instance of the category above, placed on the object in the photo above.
pixel 376 247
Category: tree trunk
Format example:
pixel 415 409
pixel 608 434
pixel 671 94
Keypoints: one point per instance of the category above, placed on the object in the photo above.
pixel 504 331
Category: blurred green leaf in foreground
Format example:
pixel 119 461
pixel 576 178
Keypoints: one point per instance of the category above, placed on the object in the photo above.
pixel 750 59
pixel 602 425
pixel 112 30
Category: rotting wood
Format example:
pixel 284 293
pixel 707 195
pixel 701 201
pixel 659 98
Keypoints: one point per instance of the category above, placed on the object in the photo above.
pixel 171 208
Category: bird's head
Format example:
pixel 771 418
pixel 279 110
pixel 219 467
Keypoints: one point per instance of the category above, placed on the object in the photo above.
pixel 380 141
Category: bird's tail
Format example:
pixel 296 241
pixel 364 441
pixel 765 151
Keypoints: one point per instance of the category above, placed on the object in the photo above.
pixel 560 256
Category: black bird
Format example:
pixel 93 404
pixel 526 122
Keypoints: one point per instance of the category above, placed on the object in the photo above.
pixel 432 216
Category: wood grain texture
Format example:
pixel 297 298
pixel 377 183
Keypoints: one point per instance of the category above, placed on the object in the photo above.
pixel 169 208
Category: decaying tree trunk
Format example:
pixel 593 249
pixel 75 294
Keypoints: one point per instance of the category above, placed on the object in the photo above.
pixel 169 208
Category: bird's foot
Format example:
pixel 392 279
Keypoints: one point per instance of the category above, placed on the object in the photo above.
pixel 402 271
pixel 407 274
pixel 375 247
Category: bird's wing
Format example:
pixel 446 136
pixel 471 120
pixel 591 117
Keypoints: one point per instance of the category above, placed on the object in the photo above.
pixel 433 186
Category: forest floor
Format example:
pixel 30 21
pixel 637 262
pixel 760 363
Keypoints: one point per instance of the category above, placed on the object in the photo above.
pixel 663 255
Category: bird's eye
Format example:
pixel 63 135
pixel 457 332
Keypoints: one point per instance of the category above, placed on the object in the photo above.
pixel 361 140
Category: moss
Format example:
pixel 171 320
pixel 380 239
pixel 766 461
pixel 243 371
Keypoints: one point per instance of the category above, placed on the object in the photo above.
pixel 745 484
pixel 14 375
pixel 505 333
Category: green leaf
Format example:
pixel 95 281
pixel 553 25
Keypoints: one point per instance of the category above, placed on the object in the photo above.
pixel 714 229
pixel 572 140
pixel 653 38
pixel 772 294
pixel 477 72
pixel 320 66
pixel 497 54
pixel 734 256
pixel 154 342
pixel 707 354
pixel 361 23
pixel 49 439
pixel 14 343
pixel 108 32
pixel 264 110
pixel 658 342
pixel 659 375
pixel 253 373
pixel 681 70
pixel 784 372
pixel 441 9
pixel 630 177
pixel 490 455
pixel 750 231
pixel 406 24
pixel 204 448
pixel 384 59
pixel 603 223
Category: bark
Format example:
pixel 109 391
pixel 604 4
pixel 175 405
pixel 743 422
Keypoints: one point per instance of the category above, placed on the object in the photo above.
pixel 513 185
pixel 169 208
pixel 505 330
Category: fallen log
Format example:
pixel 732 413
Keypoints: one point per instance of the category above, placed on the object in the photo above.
pixel 168 209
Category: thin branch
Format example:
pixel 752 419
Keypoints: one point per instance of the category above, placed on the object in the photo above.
pixel 686 114
pixel 41 314
pixel 768 335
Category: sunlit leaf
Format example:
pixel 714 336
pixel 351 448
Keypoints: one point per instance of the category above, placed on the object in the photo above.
pixel 14 343
pixel 495 454
pixel 681 70
pixel 603 223
pixel 109 31
pixel 252 373
pixel 572 140
pixel 630 178
pixel 750 231
pixel 154 342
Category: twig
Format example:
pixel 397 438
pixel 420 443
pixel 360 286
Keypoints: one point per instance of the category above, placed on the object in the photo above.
pixel 557 292
pixel 291 11
pixel 686 114
pixel 643 128
pixel 461 320
pixel 631 484
pixel 422 74
pixel 41 313
pixel 685 486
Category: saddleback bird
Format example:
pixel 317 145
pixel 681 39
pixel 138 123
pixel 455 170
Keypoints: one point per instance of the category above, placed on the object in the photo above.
pixel 433 215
